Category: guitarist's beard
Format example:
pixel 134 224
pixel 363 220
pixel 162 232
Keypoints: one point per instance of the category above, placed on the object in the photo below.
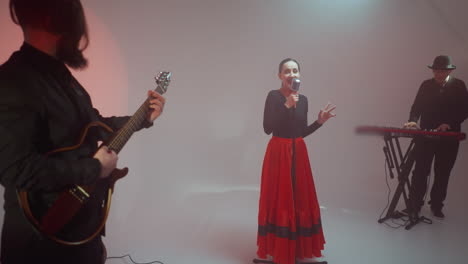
pixel 69 52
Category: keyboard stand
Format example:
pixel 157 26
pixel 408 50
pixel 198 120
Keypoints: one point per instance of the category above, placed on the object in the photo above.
pixel 402 165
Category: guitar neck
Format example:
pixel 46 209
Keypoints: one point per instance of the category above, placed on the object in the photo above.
pixel 121 137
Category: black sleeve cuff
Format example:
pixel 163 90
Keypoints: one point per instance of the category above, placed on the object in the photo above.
pixel 146 124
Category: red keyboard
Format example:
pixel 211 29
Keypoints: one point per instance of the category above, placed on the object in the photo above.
pixel 403 132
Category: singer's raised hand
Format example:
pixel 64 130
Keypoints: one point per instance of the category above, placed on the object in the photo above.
pixel 326 113
pixel 291 100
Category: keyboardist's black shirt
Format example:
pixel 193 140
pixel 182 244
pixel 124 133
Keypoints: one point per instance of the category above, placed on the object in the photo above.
pixel 436 104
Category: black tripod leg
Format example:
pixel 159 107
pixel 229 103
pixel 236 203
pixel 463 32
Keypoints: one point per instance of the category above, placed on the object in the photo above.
pixel 392 162
pixel 391 213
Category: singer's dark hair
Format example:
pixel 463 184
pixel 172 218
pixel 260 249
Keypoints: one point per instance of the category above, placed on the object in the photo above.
pixel 288 60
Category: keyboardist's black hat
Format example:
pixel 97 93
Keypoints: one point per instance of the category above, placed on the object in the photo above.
pixel 442 62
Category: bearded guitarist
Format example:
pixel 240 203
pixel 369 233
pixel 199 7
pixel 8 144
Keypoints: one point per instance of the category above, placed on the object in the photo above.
pixel 44 108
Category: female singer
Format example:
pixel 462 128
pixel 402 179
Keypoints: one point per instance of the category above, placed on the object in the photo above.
pixel 289 225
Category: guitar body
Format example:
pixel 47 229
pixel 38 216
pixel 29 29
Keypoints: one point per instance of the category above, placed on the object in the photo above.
pixel 78 214
pixel 72 210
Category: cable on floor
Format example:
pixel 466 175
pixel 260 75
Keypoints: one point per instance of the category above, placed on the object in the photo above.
pixel 134 262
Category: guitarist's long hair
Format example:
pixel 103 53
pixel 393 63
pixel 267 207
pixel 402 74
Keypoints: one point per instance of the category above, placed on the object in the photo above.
pixel 62 17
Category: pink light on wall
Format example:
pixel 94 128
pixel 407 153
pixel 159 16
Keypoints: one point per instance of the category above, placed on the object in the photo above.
pixel 106 78
pixel 12 37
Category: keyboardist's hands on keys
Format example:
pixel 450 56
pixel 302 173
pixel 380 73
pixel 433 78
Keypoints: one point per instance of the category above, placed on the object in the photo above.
pixel 443 128
pixel 411 125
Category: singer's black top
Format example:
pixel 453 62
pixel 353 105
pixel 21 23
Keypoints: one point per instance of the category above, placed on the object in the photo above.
pixel 284 122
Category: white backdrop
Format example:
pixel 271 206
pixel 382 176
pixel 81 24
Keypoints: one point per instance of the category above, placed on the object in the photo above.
pixel 366 56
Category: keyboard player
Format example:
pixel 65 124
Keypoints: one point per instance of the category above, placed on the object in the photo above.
pixel 441 104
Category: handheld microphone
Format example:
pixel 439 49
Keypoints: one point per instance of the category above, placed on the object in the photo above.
pixel 295 83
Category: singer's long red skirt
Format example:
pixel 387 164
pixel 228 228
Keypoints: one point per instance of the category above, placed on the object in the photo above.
pixel 289 224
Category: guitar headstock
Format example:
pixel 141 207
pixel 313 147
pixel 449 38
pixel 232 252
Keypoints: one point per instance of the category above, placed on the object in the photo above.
pixel 162 80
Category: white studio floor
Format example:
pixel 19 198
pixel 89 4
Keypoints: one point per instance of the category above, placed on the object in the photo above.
pixel 226 235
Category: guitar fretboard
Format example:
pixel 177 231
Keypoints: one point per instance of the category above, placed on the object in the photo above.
pixel 133 124
pixel 121 137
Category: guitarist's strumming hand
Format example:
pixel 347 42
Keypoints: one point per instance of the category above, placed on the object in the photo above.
pixel 156 105
pixel 108 159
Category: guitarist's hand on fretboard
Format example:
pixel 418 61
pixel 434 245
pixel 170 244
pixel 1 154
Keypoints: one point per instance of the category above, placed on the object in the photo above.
pixel 156 105
pixel 108 159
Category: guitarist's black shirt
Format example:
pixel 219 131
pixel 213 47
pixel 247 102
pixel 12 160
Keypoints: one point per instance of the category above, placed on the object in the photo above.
pixel 42 108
